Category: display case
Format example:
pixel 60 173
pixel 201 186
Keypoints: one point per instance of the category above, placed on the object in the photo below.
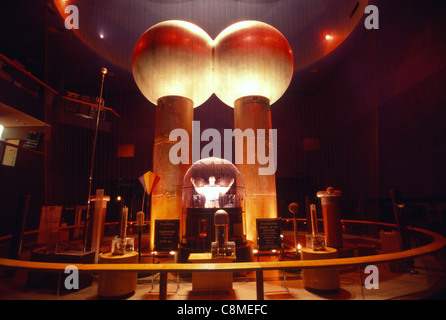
pixel 209 185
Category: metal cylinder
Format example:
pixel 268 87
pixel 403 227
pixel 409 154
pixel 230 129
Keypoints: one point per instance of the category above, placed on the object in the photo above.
pixel 332 217
pixel 221 222
pixel 260 190
pixel 314 229
pixel 171 113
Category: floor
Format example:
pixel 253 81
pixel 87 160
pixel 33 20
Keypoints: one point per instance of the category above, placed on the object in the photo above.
pixel 426 280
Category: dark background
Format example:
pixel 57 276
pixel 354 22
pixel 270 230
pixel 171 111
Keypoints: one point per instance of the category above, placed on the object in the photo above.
pixel 366 118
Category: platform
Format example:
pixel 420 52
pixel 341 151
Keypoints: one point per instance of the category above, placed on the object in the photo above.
pixel 210 281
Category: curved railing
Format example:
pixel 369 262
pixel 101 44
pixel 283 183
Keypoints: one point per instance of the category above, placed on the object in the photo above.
pixel 438 242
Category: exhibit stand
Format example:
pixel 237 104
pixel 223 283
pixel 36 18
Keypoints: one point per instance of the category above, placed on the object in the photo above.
pixel 117 284
pixel 320 279
pixel 210 281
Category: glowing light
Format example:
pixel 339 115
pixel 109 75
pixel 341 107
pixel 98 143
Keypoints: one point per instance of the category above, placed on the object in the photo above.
pixel 299 246
pixel 251 59
pixel 328 37
pixel 255 251
pixel 174 58
pixel 101 35
pixel 1 130
pixel 118 198
pixel 212 192
pixel 172 253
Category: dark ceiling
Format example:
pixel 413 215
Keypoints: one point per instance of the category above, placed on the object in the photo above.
pixel 34 34
pixel 407 51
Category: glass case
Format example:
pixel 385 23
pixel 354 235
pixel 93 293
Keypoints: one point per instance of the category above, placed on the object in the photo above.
pixel 209 185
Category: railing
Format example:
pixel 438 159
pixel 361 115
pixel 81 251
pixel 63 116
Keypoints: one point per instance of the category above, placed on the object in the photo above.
pixel 438 242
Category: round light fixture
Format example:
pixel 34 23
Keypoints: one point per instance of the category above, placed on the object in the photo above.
pixel 174 58
pixel 251 59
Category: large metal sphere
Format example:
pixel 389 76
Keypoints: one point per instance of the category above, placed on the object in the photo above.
pixel 174 58
pixel 251 59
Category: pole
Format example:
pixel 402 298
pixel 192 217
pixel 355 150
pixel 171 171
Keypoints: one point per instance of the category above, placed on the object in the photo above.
pixel 90 179
pixel 294 209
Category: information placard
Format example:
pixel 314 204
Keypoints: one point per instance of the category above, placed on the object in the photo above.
pixel 167 235
pixel 269 234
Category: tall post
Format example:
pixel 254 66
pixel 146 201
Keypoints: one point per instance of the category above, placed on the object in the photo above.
pixel 172 112
pixel 253 67
pixel 93 153
pixel 97 224
pixel 294 209
pixel 254 113
pixel 172 66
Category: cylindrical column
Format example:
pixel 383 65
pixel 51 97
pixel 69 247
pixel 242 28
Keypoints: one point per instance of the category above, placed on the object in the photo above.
pixel 253 66
pixel 172 66
pixel 252 114
pixel 123 222
pixel 221 222
pixel 323 280
pixel 172 112
pixel 117 284
pixel 314 230
pixel 332 217
pixel 294 209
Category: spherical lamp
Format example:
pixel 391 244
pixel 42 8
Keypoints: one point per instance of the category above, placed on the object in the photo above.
pixel 251 59
pixel 174 58
pixel 172 66
pixel 253 67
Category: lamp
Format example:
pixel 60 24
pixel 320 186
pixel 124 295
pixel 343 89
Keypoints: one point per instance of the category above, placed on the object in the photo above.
pixel 172 66
pixel 251 59
pixel 253 67
pixel 174 58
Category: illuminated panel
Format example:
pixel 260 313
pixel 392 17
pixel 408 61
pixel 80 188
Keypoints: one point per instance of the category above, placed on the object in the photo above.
pixel 212 191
